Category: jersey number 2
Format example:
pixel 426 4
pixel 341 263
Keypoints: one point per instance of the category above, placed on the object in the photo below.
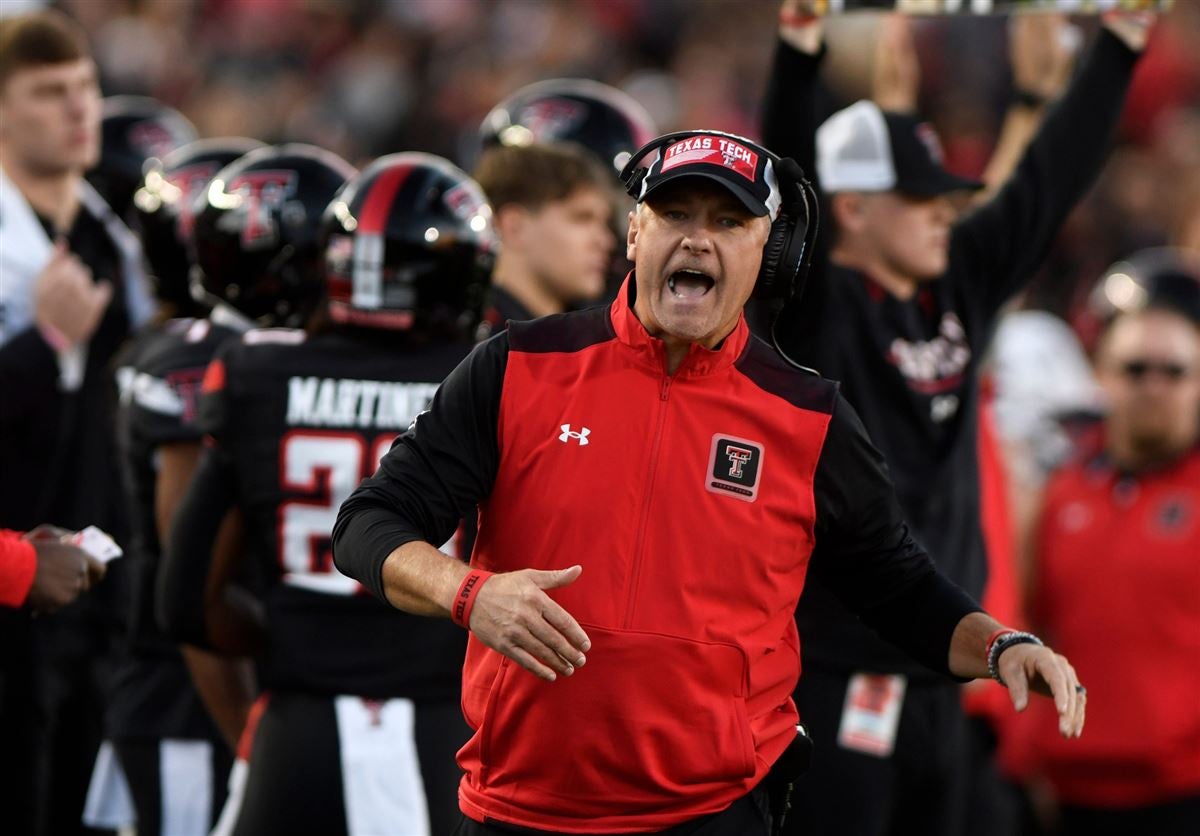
pixel 324 466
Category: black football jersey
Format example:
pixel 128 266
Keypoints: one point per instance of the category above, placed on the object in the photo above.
pixel 301 420
pixel 159 378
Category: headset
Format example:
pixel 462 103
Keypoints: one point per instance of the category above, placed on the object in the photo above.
pixel 789 248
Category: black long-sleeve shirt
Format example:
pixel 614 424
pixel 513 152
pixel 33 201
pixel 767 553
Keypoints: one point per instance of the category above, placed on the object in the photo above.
pixel 910 367
pixel 450 460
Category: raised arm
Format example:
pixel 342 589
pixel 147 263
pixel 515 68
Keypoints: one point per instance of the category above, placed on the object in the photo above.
pixel 1000 244
pixel 789 107
pixel 1041 50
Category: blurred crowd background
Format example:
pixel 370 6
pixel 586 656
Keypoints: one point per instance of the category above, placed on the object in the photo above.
pixel 364 78
pixel 369 77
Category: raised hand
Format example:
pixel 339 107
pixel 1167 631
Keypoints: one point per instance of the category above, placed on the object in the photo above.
pixel 1041 50
pixel 799 25
pixel 897 77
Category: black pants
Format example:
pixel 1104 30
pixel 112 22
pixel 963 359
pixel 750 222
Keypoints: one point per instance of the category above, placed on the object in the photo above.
pixel 51 717
pixel 295 783
pixel 920 789
pixel 141 761
pixel 1175 818
pixel 748 816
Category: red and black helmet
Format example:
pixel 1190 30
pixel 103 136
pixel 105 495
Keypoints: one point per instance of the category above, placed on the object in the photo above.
pixel 257 231
pixel 164 208
pixel 409 246
pixel 134 129
pixel 608 122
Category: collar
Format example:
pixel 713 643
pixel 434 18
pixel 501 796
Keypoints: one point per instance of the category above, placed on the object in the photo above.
pixel 651 351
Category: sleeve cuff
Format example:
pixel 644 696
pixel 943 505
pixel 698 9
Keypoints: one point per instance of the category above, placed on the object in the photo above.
pixel 17 569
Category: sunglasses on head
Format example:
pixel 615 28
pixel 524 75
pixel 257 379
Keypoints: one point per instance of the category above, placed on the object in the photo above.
pixel 1139 369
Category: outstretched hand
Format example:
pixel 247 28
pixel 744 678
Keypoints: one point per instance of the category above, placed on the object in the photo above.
pixel 1031 667
pixel 514 616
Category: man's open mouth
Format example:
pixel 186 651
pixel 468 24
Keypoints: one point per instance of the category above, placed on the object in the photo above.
pixel 690 284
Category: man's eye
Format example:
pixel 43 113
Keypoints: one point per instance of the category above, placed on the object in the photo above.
pixel 674 214
pixel 730 223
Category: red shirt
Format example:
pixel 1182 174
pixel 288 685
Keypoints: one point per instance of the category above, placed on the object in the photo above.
pixel 1118 593
pixel 18 565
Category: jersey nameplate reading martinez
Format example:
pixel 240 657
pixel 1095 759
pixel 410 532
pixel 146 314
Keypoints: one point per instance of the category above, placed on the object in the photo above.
pixel 330 402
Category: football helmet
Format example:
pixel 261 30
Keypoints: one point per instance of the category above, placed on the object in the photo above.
pixel 408 245
pixel 256 233
pixel 134 129
pixel 608 122
pixel 164 208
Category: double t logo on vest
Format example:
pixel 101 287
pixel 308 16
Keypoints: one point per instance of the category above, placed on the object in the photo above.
pixel 734 467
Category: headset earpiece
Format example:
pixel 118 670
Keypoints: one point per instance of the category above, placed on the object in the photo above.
pixel 633 183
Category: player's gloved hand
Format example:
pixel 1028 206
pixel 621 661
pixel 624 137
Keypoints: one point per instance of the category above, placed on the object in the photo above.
pixel 514 616
pixel 1026 667
pixel 63 572
pixel 67 304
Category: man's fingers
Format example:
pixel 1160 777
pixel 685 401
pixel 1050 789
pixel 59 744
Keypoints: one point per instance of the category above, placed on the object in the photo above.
pixel 555 578
pixel 562 621
pixel 1018 688
pixel 529 663
pixel 566 658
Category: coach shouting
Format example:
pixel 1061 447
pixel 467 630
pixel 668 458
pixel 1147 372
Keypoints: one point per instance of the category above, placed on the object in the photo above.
pixel 681 470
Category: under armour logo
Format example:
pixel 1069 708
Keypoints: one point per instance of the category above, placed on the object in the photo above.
pixel 568 434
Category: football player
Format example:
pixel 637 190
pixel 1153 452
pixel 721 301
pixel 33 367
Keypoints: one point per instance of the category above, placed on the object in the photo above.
pixel 359 722
pixel 171 752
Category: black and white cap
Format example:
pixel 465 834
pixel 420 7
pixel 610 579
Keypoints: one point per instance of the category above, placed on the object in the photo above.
pixel 735 162
pixel 865 149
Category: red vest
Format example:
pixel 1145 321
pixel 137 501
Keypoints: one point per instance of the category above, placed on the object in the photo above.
pixel 688 500
pixel 1118 593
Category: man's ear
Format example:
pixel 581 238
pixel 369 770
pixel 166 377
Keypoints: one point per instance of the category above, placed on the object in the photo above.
pixel 848 210
pixel 631 236
pixel 509 221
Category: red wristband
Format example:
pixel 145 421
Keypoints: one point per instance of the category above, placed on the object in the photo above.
pixel 987 652
pixel 464 600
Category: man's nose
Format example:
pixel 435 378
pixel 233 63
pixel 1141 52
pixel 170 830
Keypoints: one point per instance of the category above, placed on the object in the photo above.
pixel 697 238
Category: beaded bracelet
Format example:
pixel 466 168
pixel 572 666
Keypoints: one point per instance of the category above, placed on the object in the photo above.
pixel 999 642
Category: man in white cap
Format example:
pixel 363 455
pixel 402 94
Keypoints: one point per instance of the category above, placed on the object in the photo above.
pixel 901 314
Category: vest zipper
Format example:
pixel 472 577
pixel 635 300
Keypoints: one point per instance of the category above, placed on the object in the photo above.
pixel 635 571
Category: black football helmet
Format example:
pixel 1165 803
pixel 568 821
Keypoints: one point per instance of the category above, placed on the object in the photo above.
pixel 256 231
pixel 409 246
pixel 134 129
pixel 165 206
pixel 1163 277
pixel 609 123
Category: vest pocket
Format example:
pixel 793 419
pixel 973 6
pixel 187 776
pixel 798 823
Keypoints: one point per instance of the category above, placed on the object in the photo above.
pixel 650 720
